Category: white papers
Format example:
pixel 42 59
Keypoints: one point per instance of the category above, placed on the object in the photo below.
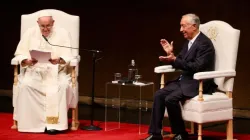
pixel 139 83
pixel 40 56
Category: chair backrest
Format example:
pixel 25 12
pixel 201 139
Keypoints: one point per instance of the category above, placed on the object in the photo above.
pixel 225 40
pixel 69 22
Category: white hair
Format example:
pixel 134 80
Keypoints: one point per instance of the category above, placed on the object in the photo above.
pixel 193 19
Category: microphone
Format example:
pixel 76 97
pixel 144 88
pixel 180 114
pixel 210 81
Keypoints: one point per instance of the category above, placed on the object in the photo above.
pixel 95 51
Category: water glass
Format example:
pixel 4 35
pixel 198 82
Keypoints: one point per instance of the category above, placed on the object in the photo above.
pixel 117 76
pixel 137 77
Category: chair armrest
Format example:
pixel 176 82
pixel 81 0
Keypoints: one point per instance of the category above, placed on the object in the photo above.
pixel 75 61
pixel 214 74
pixel 14 61
pixel 164 69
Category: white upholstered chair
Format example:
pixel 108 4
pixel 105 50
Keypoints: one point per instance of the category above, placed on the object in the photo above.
pixel 218 106
pixel 72 24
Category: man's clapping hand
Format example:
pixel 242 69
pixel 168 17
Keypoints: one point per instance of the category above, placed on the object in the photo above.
pixel 168 48
pixel 171 57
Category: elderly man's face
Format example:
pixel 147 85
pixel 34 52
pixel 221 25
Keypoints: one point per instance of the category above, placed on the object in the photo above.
pixel 45 24
pixel 187 28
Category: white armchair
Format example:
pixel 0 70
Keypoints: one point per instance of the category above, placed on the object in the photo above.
pixel 218 106
pixel 71 23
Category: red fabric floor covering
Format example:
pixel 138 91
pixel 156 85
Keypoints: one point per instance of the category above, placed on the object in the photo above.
pixel 126 132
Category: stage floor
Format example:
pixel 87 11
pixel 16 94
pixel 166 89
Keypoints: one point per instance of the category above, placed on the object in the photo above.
pixel 128 130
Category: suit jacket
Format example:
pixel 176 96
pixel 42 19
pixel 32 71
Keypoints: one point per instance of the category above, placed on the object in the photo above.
pixel 200 57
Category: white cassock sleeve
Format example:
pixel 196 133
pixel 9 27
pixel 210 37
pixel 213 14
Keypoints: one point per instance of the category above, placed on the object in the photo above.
pixel 22 51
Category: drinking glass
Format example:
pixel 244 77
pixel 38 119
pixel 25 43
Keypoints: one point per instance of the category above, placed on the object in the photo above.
pixel 117 76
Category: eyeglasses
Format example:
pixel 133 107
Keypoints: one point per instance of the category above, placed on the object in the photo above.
pixel 45 26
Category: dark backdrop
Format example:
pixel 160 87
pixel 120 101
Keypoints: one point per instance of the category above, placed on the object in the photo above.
pixel 130 30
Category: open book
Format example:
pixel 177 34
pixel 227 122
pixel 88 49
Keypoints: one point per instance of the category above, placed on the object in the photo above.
pixel 40 56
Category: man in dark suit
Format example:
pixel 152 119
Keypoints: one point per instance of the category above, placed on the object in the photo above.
pixel 197 55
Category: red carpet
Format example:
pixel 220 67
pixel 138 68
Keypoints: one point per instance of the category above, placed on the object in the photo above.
pixel 127 132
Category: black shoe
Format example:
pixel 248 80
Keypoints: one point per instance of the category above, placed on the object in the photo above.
pixel 154 137
pixel 52 132
pixel 182 136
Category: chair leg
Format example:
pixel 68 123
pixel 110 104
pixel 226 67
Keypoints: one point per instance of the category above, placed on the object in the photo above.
pixel 230 130
pixel 14 126
pixel 199 131
pixel 194 128
pixel 75 121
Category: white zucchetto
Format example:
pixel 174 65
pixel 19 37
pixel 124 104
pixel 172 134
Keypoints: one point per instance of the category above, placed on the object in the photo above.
pixel 44 14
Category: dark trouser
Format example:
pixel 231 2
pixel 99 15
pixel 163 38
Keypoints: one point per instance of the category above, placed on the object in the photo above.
pixel 169 97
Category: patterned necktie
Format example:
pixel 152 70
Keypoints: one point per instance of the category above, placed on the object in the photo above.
pixel 189 45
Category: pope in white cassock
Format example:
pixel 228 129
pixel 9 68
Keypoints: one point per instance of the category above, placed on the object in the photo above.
pixel 42 101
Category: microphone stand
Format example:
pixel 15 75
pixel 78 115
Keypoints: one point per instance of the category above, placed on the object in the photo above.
pixel 92 126
pixel 94 53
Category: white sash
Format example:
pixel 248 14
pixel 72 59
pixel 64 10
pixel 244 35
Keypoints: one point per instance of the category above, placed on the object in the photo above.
pixel 50 80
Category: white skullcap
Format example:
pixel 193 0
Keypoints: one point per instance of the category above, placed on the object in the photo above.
pixel 44 14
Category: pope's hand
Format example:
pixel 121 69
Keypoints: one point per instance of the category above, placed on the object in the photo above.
pixel 29 62
pixel 54 61
pixel 57 61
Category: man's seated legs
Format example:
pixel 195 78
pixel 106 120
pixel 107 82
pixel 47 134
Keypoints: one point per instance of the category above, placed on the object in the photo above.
pixel 172 103
pixel 170 96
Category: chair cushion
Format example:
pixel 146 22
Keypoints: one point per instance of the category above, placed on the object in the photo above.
pixel 209 116
pixel 216 101
pixel 215 107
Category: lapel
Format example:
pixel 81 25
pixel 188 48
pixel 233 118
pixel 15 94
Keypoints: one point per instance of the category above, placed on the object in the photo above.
pixel 185 49
pixel 194 46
